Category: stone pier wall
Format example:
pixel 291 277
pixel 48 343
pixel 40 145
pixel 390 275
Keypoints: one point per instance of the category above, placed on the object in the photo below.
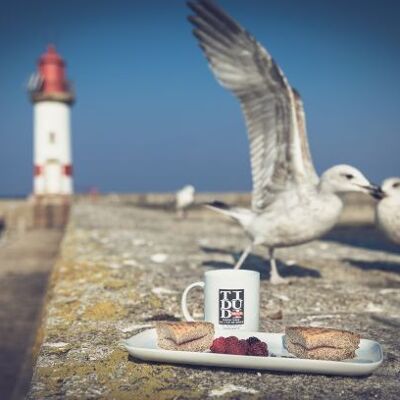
pixel 15 217
pixel 123 266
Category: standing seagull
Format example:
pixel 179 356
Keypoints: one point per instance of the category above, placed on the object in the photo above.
pixel 388 209
pixel 290 204
pixel 184 199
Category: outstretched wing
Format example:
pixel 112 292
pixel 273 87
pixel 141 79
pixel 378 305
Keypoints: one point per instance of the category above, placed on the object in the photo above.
pixel 278 152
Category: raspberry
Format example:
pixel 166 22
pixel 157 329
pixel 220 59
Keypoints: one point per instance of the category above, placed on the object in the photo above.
pixel 238 348
pixel 218 345
pixel 232 345
pixel 258 349
pixel 252 340
pixel 231 339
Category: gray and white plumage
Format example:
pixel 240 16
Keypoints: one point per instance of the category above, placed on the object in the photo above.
pixel 273 111
pixel 290 205
pixel 388 209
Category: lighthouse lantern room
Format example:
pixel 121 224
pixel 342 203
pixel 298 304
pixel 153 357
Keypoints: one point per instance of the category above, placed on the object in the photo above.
pixel 52 97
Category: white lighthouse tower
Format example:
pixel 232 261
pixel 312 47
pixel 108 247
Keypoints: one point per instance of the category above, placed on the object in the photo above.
pixel 52 98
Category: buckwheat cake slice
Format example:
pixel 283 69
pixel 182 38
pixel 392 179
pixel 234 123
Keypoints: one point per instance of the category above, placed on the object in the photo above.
pixel 320 353
pixel 186 336
pixel 198 345
pixel 314 337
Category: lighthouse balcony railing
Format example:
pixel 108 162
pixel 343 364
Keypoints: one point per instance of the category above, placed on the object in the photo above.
pixel 68 95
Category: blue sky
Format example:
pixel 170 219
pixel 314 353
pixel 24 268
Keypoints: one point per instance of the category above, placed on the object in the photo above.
pixel 151 117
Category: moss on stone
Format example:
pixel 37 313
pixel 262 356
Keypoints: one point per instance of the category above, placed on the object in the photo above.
pixel 68 311
pixel 114 284
pixel 105 310
pixel 73 271
pixel 145 381
pixel 153 302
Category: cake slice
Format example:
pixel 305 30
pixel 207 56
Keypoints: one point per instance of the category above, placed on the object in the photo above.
pixel 185 336
pixel 320 353
pixel 321 343
pixel 311 338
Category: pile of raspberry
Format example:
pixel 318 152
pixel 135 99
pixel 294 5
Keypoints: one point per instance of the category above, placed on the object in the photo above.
pixel 244 347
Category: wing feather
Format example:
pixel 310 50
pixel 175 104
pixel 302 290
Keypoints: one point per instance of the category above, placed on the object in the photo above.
pixel 305 147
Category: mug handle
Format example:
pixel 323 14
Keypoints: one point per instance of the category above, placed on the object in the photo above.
pixel 185 311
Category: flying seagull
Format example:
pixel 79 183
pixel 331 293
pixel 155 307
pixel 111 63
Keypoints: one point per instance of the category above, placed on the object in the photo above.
pixel 184 199
pixel 290 203
pixel 388 209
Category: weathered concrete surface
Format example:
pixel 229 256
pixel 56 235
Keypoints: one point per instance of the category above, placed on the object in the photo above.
pixel 15 219
pixel 25 264
pixel 108 284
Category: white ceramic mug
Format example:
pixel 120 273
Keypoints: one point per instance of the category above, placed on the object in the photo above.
pixel 231 299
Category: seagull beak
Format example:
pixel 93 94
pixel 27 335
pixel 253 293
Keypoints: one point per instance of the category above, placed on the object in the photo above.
pixel 375 191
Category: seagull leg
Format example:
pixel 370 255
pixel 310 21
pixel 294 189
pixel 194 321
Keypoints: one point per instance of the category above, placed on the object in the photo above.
pixel 244 255
pixel 275 277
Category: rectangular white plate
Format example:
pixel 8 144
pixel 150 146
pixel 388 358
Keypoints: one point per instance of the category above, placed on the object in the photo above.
pixel 368 357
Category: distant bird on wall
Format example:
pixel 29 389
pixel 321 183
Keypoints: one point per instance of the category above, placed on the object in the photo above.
pixel 184 199
pixel 290 204
pixel 388 209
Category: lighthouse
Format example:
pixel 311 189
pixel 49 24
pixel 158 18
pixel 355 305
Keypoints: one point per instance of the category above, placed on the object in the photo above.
pixel 52 98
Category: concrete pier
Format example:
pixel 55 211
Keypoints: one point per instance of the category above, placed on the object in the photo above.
pixel 25 265
pixel 122 267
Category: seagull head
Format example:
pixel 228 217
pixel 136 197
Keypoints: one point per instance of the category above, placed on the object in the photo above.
pixel 391 188
pixel 345 178
pixel 187 190
pixel 190 188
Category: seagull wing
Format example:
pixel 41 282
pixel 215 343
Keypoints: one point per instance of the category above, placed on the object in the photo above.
pixel 279 152
pixel 302 131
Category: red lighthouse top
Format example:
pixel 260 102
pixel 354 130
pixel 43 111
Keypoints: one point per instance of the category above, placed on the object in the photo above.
pixel 52 71
pixel 51 83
